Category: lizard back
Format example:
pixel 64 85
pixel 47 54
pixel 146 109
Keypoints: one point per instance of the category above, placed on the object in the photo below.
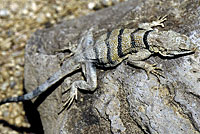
pixel 111 48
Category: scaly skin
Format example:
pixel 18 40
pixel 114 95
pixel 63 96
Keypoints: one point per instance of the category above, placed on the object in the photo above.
pixel 112 48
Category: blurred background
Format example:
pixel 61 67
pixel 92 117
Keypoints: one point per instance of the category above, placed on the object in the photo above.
pixel 18 20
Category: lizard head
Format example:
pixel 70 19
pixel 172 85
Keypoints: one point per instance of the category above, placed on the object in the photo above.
pixel 170 43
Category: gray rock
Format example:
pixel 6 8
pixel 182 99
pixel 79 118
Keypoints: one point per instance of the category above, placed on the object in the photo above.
pixel 126 101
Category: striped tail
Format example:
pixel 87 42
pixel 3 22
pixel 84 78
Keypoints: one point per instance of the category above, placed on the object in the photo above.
pixel 36 92
pixel 12 99
pixel 67 68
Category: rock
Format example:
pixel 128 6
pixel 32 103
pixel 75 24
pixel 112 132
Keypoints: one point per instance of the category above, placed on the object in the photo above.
pixel 126 101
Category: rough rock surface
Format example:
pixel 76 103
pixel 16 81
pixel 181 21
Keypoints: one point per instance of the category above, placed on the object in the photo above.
pixel 126 101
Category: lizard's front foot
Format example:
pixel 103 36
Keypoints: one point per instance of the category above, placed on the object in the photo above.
pixel 149 26
pixel 151 68
pixel 159 22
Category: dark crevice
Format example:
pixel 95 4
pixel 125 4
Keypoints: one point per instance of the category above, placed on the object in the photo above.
pixel 187 113
pixel 147 131
pixel 193 94
pixel 193 122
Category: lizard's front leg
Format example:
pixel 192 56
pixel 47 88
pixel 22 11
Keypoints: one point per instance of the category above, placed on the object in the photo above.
pixel 136 59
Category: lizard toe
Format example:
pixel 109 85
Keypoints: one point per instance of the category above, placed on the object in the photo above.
pixel 72 96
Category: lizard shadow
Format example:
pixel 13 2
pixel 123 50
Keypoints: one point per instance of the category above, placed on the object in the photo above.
pixel 16 128
pixel 32 115
pixel 31 108
pixel 31 112
pixel 45 94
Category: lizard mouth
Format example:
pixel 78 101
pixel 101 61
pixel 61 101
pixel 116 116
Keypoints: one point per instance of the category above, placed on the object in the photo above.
pixel 180 52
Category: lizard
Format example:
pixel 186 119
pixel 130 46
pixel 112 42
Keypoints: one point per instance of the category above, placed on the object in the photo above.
pixel 112 48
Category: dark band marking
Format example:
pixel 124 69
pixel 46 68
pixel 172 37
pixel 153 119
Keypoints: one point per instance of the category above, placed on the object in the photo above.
pixel 12 99
pixel 132 37
pixel 145 39
pixel 20 98
pixel 108 48
pixel 132 40
pixel 96 54
pixel 119 47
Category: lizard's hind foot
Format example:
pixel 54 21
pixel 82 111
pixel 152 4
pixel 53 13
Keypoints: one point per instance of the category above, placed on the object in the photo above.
pixel 72 95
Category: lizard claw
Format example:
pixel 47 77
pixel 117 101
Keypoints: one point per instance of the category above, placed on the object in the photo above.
pixel 72 96
pixel 160 21
pixel 149 26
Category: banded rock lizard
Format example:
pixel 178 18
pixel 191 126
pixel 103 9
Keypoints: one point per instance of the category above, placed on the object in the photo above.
pixel 112 48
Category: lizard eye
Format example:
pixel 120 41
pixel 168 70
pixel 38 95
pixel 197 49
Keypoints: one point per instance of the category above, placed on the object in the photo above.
pixel 90 42
pixel 182 46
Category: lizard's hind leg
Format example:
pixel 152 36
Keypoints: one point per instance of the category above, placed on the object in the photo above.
pixel 88 69
pixel 90 84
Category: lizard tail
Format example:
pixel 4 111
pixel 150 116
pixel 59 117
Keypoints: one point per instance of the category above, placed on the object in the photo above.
pixel 48 83
pixel 36 92
pixel 12 99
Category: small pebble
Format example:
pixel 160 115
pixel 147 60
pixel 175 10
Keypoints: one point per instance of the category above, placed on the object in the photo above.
pixel 5 114
pixel 91 5
pixel 41 18
pixel 12 84
pixel 17 73
pixel 25 11
pixel 106 2
pixel 48 15
pixel 4 13
pixel 34 7
pixel 1 79
pixel 13 132
pixel 5 45
pixel 14 7
pixel 4 86
pixel 18 120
